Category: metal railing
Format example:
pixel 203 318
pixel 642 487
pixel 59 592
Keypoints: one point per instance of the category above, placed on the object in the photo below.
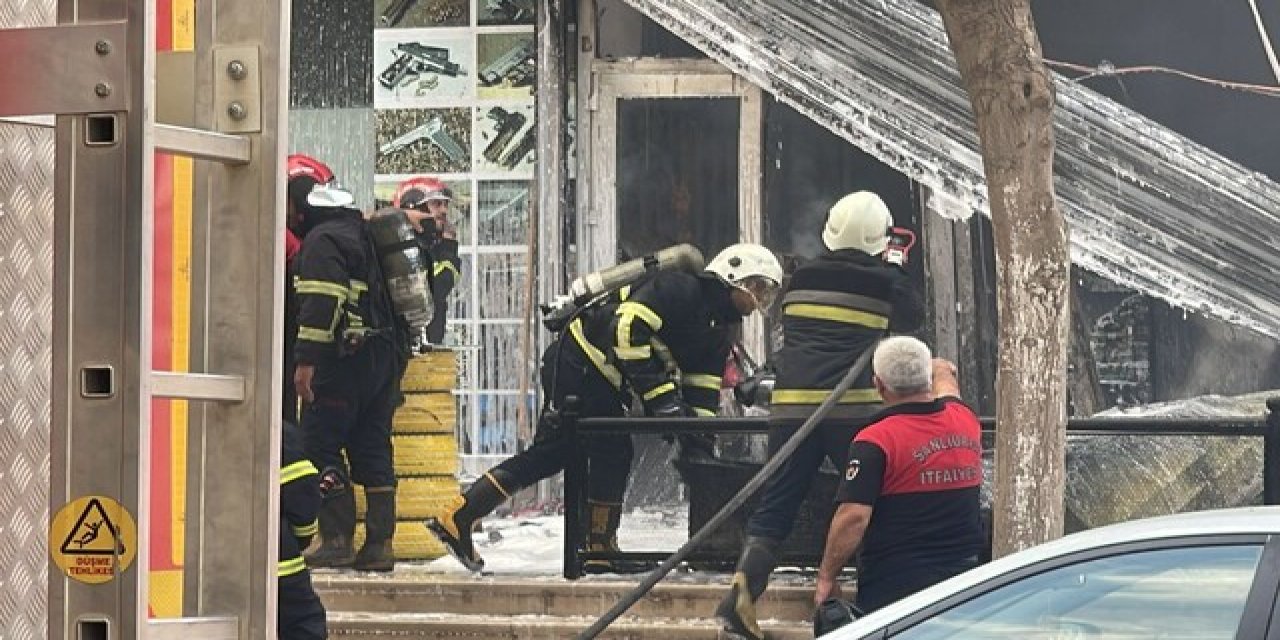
pixel 578 429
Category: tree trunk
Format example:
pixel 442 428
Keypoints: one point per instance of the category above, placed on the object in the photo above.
pixel 1012 94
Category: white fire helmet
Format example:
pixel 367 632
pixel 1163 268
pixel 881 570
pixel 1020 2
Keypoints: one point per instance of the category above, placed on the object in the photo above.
pixel 330 195
pixel 859 221
pixel 750 267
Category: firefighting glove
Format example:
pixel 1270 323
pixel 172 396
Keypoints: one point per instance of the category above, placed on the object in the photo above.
pixel 692 447
pixel 755 390
pixel 671 407
pixel 333 483
pixel 548 427
pixel 689 446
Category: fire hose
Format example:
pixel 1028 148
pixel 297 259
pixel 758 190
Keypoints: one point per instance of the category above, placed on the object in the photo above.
pixel 741 497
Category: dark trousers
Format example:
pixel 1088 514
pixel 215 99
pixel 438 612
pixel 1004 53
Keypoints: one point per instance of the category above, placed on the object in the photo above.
pixel 786 490
pixel 299 614
pixel 355 399
pixel 883 587
pixel 609 457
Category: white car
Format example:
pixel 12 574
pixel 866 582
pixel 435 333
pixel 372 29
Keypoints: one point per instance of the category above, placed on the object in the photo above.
pixel 1202 576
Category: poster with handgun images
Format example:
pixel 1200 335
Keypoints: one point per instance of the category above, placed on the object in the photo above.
pixel 418 67
pixel 408 14
pixel 421 141
pixel 505 137
pixel 505 66
pixel 460 202
pixel 491 13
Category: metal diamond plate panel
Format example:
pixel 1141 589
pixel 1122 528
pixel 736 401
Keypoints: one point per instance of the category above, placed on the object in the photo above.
pixel 26 315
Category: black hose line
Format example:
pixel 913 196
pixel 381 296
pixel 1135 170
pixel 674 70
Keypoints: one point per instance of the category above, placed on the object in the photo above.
pixel 727 510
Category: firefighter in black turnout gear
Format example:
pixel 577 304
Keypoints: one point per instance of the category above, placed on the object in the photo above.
pixel 664 341
pixel 304 173
pixel 426 201
pixel 834 308
pixel 349 353
pixel 300 614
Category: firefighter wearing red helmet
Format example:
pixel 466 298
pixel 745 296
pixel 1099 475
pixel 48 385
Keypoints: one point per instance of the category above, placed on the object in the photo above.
pixel 426 200
pixel 303 174
pixel 349 352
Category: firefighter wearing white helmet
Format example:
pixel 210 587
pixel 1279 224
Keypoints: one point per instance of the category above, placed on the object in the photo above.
pixel 835 307
pixel 660 343
pixel 348 353
pixel 750 268
pixel 859 221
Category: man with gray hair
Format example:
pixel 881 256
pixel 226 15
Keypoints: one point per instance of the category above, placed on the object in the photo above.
pixel 909 497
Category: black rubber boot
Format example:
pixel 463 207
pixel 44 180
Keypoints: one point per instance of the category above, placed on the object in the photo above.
pixel 603 519
pixel 737 612
pixel 379 527
pixel 454 527
pixel 337 526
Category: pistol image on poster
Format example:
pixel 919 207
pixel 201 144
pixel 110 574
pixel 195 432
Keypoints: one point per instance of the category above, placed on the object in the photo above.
pixel 434 132
pixel 395 12
pixel 516 154
pixel 505 64
pixel 511 9
pixel 414 59
pixel 509 124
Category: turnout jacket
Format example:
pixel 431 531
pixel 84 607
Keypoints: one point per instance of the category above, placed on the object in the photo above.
pixel 339 287
pixel 834 308
pixel 299 502
pixel 446 271
pixel 666 339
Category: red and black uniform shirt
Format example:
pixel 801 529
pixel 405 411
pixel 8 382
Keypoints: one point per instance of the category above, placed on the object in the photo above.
pixel 919 465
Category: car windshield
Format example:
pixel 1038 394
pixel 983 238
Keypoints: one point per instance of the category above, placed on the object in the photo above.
pixel 1186 592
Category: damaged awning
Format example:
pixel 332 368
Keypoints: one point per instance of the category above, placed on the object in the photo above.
pixel 1147 207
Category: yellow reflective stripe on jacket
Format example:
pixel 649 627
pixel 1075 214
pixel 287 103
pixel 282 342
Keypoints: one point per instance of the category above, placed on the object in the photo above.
pixel 633 353
pixel 659 390
pixel 290 567
pixel 315 335
pixel 322 288
pixel 357 287
pixel 307 530
pixel 837 314
pixel 704 413
pixel 624 292
pixel 445 265
pixel 816 396
pixel 701 381
pixel 299 469
pixel 627 313
pixel 597 358
pixel 643 312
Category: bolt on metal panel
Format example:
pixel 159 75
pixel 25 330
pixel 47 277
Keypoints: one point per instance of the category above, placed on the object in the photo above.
pixel 66 69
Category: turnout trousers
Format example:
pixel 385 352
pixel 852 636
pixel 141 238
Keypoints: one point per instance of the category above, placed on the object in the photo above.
pixel 355 399
pixel 565 372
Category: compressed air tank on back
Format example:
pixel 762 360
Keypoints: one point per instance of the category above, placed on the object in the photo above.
pixel 406 267
pixel 681 257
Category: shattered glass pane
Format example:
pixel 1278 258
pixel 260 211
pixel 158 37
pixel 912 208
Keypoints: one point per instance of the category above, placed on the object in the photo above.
pixel 502 285
pixel 503 207
pixel 502 366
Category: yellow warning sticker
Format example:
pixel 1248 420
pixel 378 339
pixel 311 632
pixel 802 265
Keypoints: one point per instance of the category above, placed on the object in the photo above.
pixel 93 539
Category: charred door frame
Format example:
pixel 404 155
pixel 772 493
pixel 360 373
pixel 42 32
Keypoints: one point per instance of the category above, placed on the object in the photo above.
pixel 647 78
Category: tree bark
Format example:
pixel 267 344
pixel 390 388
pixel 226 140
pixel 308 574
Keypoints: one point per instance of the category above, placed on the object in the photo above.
pixel 1001 65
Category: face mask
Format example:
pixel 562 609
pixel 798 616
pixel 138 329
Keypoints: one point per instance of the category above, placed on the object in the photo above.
pixel 763 291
